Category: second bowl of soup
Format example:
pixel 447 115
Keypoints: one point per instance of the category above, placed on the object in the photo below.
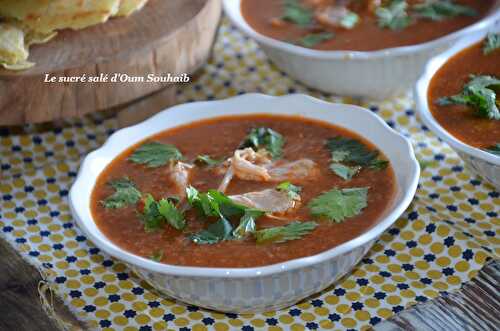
pixel 359 48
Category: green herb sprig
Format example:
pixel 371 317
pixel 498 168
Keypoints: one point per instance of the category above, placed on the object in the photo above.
pixel 157 214
pixel 479 94
pixel 281 234
pixel 155 154
pixel 126 193
pixel 265 138
pixel 337 205
pixel 438 10
pixel 492 43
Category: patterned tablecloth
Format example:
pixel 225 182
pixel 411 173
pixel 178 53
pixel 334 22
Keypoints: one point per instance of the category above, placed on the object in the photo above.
pixel 441 241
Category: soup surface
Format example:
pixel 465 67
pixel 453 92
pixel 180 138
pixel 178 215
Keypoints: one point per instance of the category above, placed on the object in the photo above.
pixel 221 138
pixel 326 25
pixel 463 121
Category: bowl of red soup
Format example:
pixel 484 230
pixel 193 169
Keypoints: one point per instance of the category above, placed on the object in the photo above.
pixel 458 99
pixel 361 47
pixel 247 204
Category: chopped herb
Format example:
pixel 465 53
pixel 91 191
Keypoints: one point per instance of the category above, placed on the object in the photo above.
pixel 265 138
pixel 281 234
pixel 158 213
pixel 155 154
pixel 480 94
pixel 492 43
pixel 350 155
pixel 125 194
pixel 157 255
pixel 338 204
pixel 312 39
pixel 216 204
pixel 214 233
pixel 296 13
pixel 349 20
pixel 292 190
pixel 495 149
pixel 208 160
pixel 393 16
pixel 247 223
pixel 343 171
pixel 438 10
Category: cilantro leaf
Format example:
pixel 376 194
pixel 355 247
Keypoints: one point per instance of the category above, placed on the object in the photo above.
pixel 156 255
pixel 349 20
pixel 155 154
pixel 492 43
pixel 292 190
pixel 125 194
pixel 215 203
pixel 343 171
pixel 393 16
pixel 350 155
pixel 247 223
pixel 438 10
pixel 312 39
pixel 158 213
pixel 480 94
pixel 265 138
pixel 214 233
pixel 208 160
pixel 296 13
pixel 281 234
pixel 338 204
pixel 495 149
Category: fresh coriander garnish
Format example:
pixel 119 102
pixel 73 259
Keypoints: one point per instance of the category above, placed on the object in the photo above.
pixel 350 155
pixel 344 171
pixel 155 154
pixel 495 149
pixel 492 43
pixel 338 204
pixel 312 39
pixel 247 223
pixel 216 204
pixel 126 193
pixel 292 190
pixel 281 234
pixel 265 138
pixel 208 160
pixel 157 255
pixel 158 213
pixel 214 233
pixel 480 94
pixel 296 13
pixel 349 20
pixel 393 16
pixel 438 10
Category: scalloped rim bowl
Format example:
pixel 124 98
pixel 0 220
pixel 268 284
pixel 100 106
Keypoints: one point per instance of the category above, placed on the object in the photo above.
pixel 374 74
pixel 242 289
pixel 482 163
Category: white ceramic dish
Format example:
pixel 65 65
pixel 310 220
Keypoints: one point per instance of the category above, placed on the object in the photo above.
pixel 261 288
pixel 481 163
pixel 376 74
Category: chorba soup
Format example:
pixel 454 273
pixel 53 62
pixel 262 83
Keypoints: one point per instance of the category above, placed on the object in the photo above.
pixel 243 191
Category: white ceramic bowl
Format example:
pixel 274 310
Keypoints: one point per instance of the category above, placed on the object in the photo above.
pixel 375 74
pixel 481 163
pixel 261 288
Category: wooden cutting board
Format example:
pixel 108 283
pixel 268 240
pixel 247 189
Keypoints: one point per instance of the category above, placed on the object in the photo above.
pixel 166 36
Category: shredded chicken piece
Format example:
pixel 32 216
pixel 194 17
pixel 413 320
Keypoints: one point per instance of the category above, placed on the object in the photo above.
pixel 294 170
pixel 331 16
pixel 179 174
pixel 247 164
pixel 250 165
pixel 269 200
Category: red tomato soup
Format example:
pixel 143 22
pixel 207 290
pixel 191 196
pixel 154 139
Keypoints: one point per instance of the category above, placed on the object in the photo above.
pixel 466 122
pixel 276 168
pixel 359 25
